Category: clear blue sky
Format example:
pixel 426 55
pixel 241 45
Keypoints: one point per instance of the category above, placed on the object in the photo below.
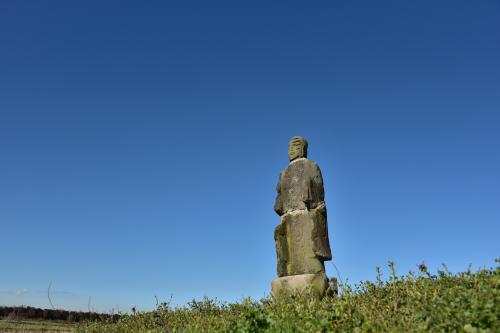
pixel 141 142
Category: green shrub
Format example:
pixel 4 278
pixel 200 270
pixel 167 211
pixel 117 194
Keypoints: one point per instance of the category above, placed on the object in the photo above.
pixel 464 302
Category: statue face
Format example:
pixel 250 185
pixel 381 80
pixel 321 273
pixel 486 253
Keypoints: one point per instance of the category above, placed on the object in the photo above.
pixel 297 148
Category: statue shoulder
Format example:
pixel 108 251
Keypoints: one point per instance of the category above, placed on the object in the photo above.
pixel 315 172
pixel 313 165
pixel 302 163
pixel 312 162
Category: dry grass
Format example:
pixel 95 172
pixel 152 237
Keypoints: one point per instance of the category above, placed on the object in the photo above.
pixel 29 326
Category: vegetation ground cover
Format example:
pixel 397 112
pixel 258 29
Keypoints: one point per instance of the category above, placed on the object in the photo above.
pixel 417 302
pixel 28 326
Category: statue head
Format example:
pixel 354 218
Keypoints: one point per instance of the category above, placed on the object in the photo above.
pixel 297 148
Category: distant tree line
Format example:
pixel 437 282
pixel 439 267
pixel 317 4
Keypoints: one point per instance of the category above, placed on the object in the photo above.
pixel 28 312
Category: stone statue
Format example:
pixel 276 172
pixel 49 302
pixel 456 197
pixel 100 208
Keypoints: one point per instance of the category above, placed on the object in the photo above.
pixel 302 244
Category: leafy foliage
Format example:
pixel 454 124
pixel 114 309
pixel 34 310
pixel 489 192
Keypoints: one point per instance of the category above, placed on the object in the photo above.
pixel 418 302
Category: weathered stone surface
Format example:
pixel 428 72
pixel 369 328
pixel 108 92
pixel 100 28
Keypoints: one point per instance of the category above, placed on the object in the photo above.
pixel 302 242
pixel 297 148
pixel 300 187
pixel 281 249
pixel 316 284
pixel 321 242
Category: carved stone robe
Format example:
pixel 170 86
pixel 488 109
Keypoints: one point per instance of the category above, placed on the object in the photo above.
pixel 302 243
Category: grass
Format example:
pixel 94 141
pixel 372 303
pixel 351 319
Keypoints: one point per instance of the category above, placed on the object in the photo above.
pixel 25 326
pixel 418 302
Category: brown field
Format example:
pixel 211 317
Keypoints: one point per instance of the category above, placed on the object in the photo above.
pixel 29 326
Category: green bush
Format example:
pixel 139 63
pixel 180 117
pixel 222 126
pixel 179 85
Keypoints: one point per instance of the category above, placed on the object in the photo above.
pixel 418 302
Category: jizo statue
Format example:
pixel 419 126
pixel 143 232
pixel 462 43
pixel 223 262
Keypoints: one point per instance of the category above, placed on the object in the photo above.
pixel 302 244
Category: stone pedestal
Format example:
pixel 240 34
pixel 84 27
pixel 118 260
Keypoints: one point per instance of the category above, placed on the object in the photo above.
pixel 315 284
